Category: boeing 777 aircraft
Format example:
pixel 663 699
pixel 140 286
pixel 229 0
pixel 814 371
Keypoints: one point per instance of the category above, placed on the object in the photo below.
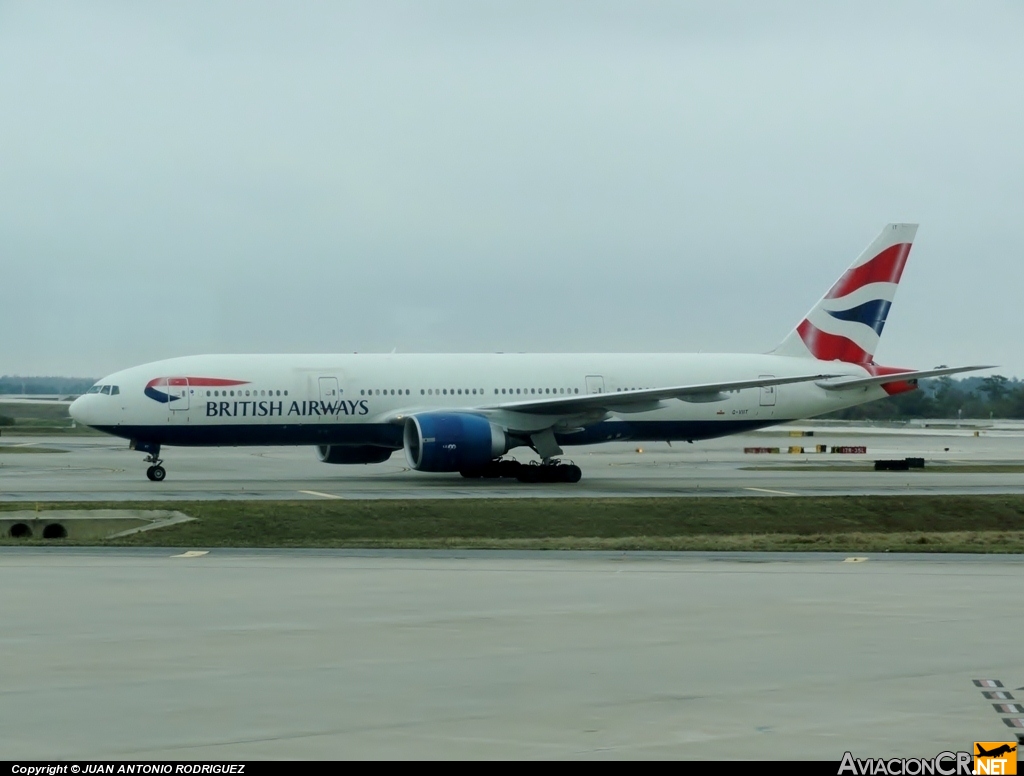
pixel 462 413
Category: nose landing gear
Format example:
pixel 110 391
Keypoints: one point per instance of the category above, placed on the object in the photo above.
pixel 156 472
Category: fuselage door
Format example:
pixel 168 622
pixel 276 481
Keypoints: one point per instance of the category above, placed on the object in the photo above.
pixel 595 384
pixel 329 394
pixel 178 391
pixel 767 392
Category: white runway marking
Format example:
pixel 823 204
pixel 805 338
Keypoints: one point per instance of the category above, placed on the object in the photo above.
pixel 854 560
pixel 776 492
pixel 192 554
pixel 318 493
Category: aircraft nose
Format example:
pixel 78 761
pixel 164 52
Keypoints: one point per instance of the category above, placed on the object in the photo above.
pixel 79 410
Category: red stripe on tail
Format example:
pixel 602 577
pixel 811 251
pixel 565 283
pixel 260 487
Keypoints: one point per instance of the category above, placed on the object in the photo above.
pixel 886 267
pixel 831 347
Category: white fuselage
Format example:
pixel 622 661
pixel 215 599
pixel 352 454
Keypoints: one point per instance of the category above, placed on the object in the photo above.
pixel 360 399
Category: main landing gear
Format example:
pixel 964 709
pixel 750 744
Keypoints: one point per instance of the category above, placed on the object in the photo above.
pixel 550 471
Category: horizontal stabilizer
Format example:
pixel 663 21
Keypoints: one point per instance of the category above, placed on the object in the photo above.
pixel 898 377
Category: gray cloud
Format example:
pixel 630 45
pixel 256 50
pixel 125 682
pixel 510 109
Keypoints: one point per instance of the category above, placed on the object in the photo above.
pixel 500 176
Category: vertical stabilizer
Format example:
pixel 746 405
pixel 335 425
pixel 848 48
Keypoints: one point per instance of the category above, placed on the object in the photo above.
pixel 846 324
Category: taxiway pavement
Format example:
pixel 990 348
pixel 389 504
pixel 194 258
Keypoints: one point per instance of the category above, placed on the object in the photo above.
pixel 145 654
pixel 103 469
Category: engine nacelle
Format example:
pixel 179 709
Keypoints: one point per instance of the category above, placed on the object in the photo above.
pixel 452 441
pixel 353 453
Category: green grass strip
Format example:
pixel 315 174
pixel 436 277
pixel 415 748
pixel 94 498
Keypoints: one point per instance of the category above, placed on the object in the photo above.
pixel 841 523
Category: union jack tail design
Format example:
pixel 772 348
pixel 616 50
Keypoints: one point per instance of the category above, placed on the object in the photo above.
pixel 847 323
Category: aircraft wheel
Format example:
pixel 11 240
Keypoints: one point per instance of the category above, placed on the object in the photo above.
pixel 156 473
pixel 572 473
pixel 529 474
pixel 551 473
pixel 509 469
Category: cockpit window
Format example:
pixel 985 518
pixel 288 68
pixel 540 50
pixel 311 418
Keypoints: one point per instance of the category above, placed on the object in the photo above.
pixel 95 389
pixel 106 390
pixel 115 390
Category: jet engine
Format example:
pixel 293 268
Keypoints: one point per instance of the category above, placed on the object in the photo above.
pixel 353 453
pixel 452 441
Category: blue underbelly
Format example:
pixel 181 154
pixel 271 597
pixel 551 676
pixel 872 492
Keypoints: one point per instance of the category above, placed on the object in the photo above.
pixel 390 435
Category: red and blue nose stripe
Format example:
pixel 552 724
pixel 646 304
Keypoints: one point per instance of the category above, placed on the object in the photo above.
pixel 198 382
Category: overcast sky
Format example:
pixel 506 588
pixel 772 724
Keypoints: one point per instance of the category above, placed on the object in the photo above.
pixel 180 178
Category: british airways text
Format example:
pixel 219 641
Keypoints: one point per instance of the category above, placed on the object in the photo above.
pixel 262 409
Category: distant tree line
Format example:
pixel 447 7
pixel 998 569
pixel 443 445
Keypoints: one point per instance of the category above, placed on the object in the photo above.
pixel 972 397
pixel 45 385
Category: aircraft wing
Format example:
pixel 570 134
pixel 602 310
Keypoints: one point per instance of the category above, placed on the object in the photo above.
pixel 643 399
pixel 898 377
